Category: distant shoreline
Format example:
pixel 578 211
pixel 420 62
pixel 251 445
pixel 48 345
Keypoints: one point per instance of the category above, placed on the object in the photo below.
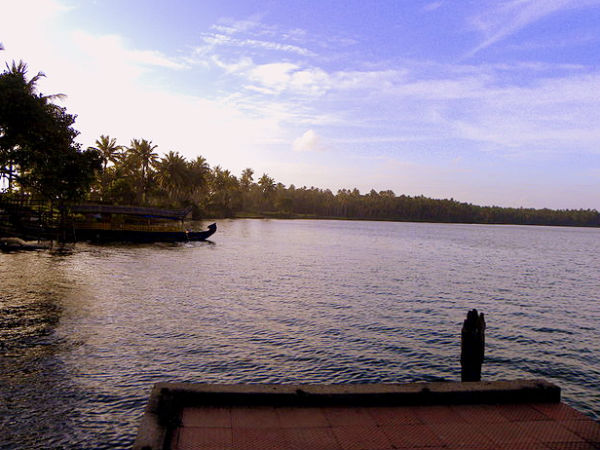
pixel 280 216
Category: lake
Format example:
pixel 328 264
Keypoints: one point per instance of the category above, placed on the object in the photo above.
pixel 84 336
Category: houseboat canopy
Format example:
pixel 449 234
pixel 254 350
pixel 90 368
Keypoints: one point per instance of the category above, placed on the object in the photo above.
pixel 175 214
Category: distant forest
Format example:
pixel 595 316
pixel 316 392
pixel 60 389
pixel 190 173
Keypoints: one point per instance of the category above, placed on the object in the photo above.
pixel 40 158
pixel 137 175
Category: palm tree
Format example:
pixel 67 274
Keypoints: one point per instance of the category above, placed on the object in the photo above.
pixel 199 172
pixel 267 187
pixel 172 174
pixel 20 69
pixel 224 191
pixel 108 149
pixel 145 157
pixel 246 179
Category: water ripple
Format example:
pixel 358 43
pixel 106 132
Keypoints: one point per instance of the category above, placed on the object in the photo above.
pixel 83 337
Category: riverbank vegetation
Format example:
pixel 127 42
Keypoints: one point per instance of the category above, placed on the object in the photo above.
pixel 38 152
pixel 136 174
pixel 39 157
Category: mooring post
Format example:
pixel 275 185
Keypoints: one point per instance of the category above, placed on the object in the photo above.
pixel 472 346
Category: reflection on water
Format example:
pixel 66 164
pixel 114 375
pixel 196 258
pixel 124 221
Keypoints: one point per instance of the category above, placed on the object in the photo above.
pixel 33 382
pixel 84 336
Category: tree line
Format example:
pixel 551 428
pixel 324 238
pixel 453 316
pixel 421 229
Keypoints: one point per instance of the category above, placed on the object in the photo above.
pixel 135 174
pixel 39 156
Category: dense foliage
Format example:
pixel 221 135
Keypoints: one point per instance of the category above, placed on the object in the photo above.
pixel 137 175
pixel 38 152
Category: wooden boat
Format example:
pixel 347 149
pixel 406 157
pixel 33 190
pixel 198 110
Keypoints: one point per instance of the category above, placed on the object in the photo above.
pixel 201 235
pixel 104 223
pixel 14 244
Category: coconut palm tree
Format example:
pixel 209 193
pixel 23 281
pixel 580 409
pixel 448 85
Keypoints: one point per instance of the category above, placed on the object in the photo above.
pixel 225 193
pixel 143 154
pixel 20 69
pixel 246 179
pixel 173 175
pixel 108 149
pixel 199 175
pixel 267 188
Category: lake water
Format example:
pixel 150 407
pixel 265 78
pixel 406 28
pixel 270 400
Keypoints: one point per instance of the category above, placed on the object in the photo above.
pixel 84 336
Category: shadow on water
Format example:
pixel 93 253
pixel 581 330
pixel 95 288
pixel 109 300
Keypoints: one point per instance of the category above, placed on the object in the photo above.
pixel 40 398
pixel 148 245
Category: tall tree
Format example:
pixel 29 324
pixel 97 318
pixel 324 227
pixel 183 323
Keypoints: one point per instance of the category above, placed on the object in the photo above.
pixel 22 113
pixel 108 149
pixel 248 188
pixel 225 196
pixel 199 179
pixel 110 152
pixel 144 155
pixel 37 137
pixel 267 188
pixel 172 175
pixel 246 179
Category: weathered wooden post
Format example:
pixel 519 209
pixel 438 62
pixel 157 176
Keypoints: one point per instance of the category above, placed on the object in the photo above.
pixel 472 346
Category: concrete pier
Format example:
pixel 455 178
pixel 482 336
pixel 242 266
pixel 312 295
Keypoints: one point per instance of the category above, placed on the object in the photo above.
pixel 515 414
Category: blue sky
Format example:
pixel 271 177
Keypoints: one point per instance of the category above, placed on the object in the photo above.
pixel 489 102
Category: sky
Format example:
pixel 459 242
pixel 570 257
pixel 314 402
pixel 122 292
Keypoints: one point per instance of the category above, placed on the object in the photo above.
pixel 484 101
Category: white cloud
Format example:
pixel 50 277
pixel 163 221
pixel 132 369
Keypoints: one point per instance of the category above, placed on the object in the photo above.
pixel 274 76
pixel 240 66
pixel 420 103
pixel 309 141
pixel 295 79
pixel 109 49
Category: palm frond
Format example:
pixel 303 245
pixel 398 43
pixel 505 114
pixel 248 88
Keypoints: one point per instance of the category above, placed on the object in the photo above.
pixel 56 96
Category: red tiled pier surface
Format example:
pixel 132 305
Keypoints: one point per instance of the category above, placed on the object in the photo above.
pixel 511 426
pixel 508 414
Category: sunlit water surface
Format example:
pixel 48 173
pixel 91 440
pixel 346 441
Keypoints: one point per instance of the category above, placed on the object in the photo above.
pixel 84 336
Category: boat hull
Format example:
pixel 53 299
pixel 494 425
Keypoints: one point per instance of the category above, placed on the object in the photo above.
pixel 123 235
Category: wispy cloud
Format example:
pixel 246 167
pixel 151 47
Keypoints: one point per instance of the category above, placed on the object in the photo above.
pixel 485 105
pixel 232 26
pixel 554 115
pixel 432 6
pixel 213 40
pixel 507 18
pixel 251 33
pixel 564 40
